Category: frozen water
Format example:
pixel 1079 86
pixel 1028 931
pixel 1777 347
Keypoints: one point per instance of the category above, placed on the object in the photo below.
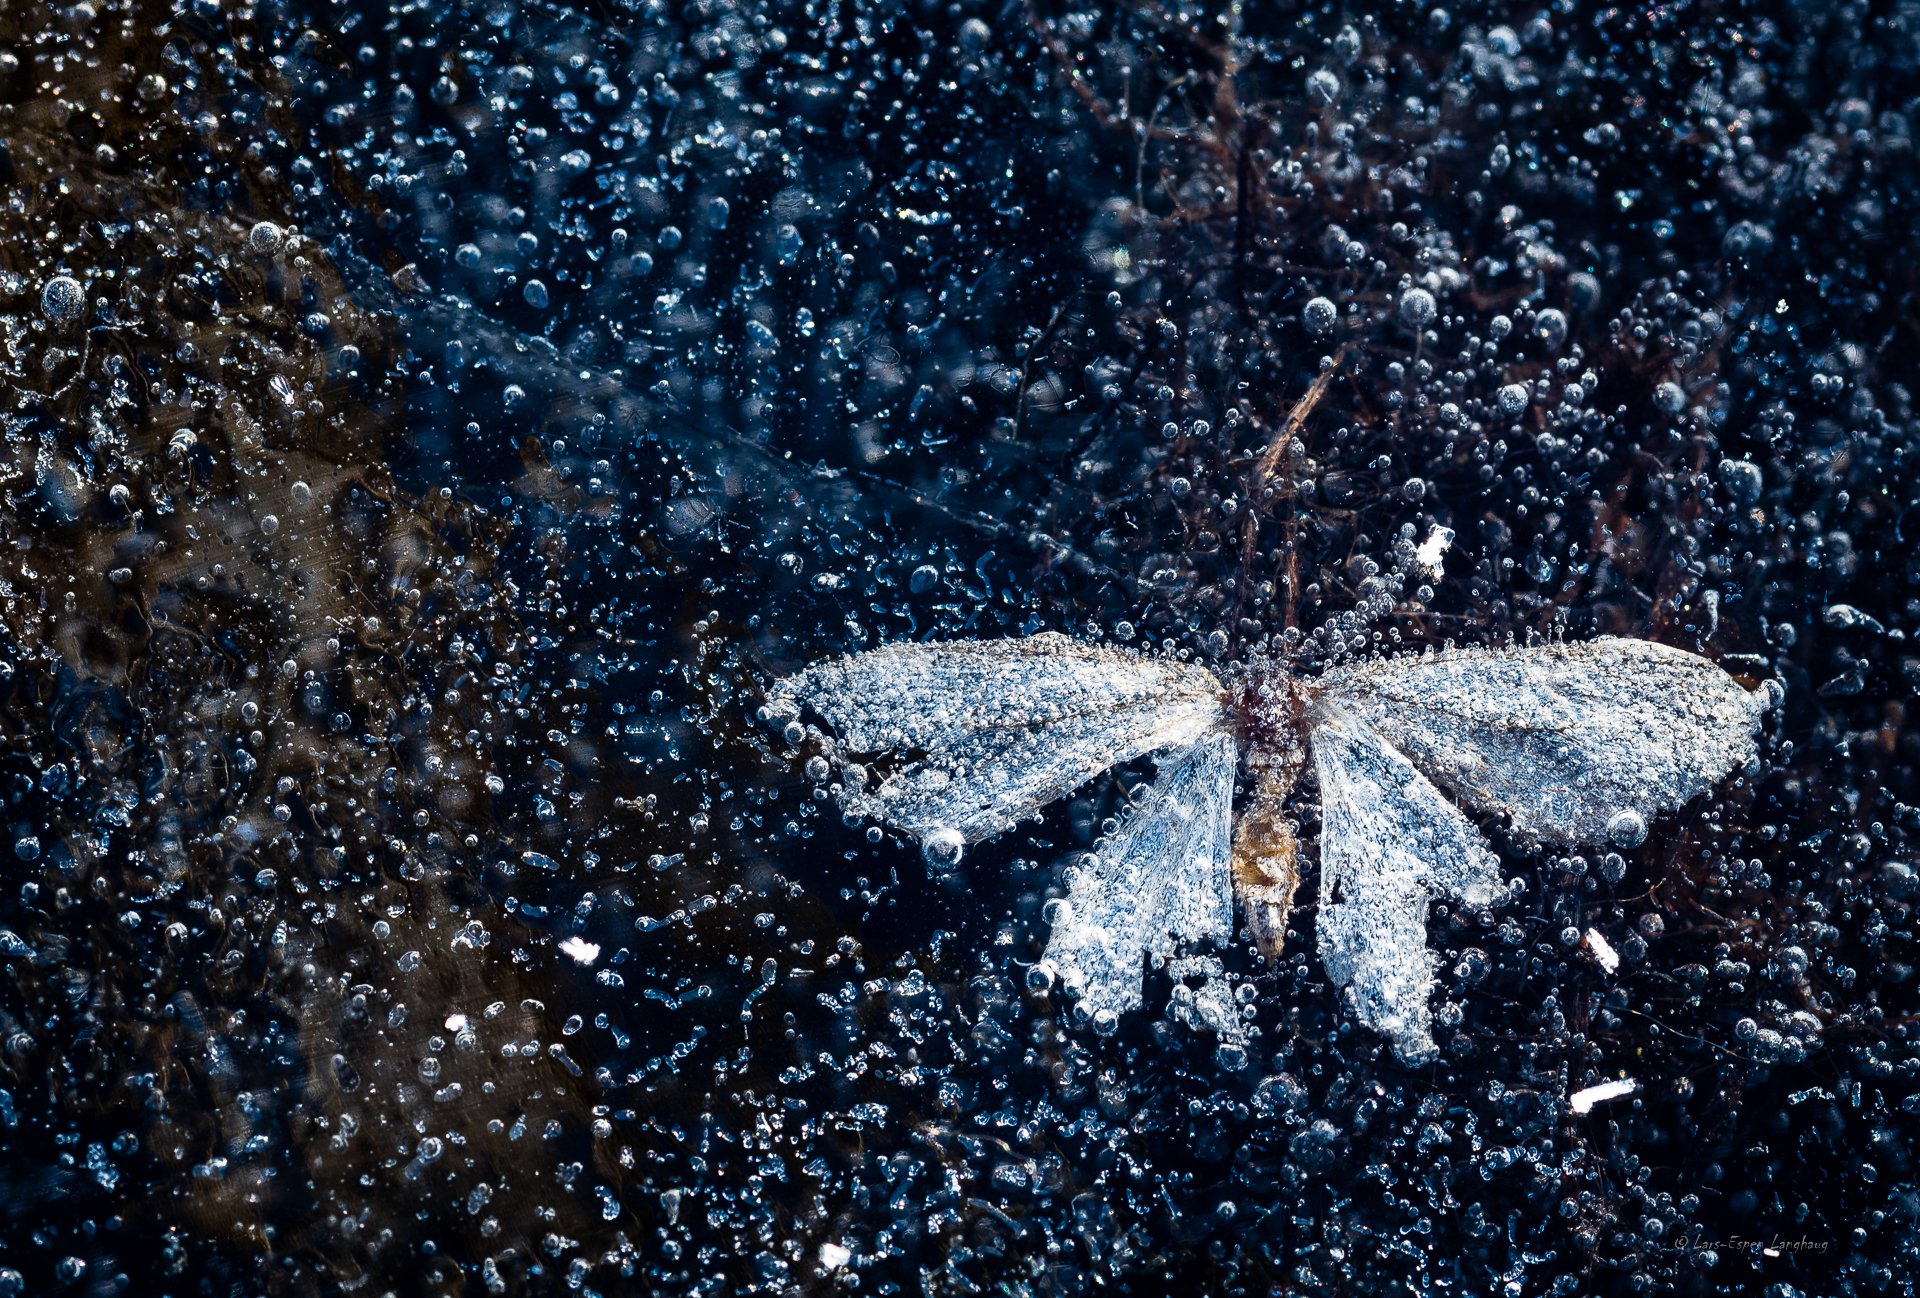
pixel 445 410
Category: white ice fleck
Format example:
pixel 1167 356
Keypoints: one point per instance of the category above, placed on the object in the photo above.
pixel 581 950
pixel 1430 552
pixel 834 1256
pixel 1570 743
pixel 1583 1101
pixel 1601 950
pixel 456 1022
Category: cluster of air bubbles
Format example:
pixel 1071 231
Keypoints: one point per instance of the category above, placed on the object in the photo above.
pixel 1350 631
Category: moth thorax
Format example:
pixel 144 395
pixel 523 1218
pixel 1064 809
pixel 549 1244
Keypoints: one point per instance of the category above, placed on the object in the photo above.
pixel 1268 716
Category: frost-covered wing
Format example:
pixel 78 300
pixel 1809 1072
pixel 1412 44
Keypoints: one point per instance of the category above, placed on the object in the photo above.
pixel 1563 738
pixel 1389 844
pixel 991 731
pixel 1158 882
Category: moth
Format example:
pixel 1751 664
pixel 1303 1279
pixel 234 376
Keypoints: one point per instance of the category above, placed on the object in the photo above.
pixel 1572 743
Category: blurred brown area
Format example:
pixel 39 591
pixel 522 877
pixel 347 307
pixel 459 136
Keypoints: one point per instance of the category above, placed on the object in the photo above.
pixel 255 662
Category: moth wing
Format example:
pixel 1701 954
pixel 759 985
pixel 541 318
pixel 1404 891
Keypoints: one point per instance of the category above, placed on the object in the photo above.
pixel 1390 842
pixel 1159 881
pixel 1562 738
pixel 991 731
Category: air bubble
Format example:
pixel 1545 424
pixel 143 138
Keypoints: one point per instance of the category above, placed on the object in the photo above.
pixel 1627 829
pixel 63 299
pixel 1743 480
pixel 1323 88
pixel 1550 328
pixel 943 848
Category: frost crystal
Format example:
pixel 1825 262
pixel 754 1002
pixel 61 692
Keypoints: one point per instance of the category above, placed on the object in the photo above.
pixel 1572 743
pixel 1389 842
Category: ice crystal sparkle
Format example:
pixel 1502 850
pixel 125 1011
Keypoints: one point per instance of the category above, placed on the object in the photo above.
pixel 1568 741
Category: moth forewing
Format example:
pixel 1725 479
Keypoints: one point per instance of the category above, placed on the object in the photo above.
pixel 1390 843
pixel 1576 743
pixel 986 782
pixel 990 732
pixel 1156 884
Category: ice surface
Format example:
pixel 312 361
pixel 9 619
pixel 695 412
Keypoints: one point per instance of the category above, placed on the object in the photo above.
pixel 995 730
pixel 1562 738
pixel 1157 883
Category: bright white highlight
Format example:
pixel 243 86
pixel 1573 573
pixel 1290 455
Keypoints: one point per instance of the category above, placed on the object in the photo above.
pixel 1582 1102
